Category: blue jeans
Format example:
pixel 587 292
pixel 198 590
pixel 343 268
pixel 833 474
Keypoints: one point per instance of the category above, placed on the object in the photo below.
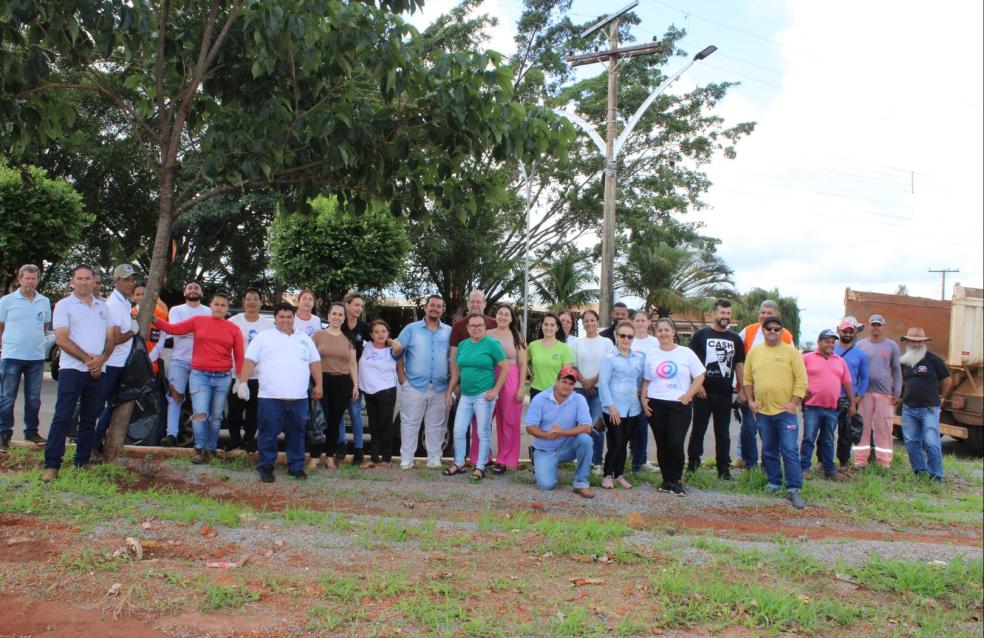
pixel 355 416
pixel 73 387
pixel 208 397
pixel 573 448
pixel 822 421
pixel 281 415
pixel 747 443
pixel 921 432
pixel 780 438
pixel 481 408
pixel 177 375
pixel 10 376
pixel 594 407
pixel 639 441
pixel 111 382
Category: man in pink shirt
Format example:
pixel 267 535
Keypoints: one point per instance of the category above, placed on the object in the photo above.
pixel 826 374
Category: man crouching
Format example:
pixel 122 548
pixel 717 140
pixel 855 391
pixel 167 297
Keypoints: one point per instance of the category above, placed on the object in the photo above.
pixel 559 421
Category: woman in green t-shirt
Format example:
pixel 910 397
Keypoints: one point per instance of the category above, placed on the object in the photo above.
pixel 548 354
pixel 476 360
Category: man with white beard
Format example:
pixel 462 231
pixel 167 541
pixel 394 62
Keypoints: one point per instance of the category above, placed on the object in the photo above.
pixel 927 380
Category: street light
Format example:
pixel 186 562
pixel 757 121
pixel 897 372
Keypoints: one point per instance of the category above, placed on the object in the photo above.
pixel 610 151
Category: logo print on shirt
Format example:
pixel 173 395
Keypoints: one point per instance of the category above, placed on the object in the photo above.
pixel 666 370
pixel 250 334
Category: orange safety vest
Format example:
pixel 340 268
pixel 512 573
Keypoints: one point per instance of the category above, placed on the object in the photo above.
pixel 752 329
pixel 160 312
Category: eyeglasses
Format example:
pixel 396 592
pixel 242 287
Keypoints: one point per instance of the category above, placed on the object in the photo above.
pixel 773 329
pixel 626 336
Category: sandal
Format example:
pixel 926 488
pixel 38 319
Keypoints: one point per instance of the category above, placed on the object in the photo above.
pixel 477 475
pixel 498 468
pixel 453 470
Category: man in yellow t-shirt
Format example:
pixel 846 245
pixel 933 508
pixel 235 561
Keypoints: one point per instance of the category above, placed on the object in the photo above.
pixel 775 384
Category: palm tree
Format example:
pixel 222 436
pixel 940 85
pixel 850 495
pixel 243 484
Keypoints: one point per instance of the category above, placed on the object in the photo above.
pixel 560 282
pixel 672 278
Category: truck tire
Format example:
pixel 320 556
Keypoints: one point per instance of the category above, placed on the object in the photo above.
pixel 975 439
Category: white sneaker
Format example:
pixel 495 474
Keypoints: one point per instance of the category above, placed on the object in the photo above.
pixel 406 466
pixel 596 470
pixel 649 467
pixel 434 464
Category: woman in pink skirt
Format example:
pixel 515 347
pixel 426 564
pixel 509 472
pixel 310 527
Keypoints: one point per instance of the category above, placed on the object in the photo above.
pixel 509 408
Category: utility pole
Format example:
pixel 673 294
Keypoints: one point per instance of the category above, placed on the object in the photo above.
pixel 943 272
pixel 613 142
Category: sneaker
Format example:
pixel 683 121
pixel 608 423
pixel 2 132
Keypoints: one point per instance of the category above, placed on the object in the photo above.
pixel 584 492
pixel 249 446
pixel 772 489
pixel 596 470
pixel 5 441
pixel 649 467
pixel 434 464
pixel 169 441
pixel 625 484
pixel 200 457
pixel 664 487
pixel 266 474
pixel 677 489
pixel 738 464
pixel 794 497
pixel 36 439
pixel 406 466
pixel 725 476
pixel 358 458
pixel 300 475
pixel 49 474
pixel 832 476
pixel 607 483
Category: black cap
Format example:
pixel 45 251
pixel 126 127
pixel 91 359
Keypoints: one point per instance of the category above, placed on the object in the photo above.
pixel 772 320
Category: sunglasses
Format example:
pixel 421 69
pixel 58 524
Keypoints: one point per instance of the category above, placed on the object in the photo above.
pixel 773 329
pixel 626 336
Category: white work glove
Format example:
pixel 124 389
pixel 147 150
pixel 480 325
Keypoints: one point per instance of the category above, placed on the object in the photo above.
pixel 243 391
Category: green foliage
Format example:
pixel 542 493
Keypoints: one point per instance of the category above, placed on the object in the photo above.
pixel 338 249
pixel 745 309
pixel 228 597
pixel 41 217
pixel 561 281
pixel 959 582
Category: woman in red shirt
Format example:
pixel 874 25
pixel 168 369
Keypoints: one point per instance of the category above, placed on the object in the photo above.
pixel 218 346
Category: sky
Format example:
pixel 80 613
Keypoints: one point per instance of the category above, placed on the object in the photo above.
pixel 865 168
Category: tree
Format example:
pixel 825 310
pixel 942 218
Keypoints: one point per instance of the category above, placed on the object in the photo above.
pixel 336 250
pixel 41 217
pixel 672 278
pixel 560 282
pixel 745 308
pixel 902 290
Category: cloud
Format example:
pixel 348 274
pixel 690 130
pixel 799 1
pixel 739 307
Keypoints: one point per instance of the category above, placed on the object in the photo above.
pixel 864 170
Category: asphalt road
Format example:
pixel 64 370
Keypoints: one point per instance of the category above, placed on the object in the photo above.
pixel 48 390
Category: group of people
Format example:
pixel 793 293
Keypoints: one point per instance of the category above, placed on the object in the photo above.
pixel 594 397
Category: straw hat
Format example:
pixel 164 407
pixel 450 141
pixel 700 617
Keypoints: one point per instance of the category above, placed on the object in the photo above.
pixel 917 335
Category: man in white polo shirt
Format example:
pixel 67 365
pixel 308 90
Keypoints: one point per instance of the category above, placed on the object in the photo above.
pixel 24 314
pixel 121 323
pixel 84 333
pixel 286 360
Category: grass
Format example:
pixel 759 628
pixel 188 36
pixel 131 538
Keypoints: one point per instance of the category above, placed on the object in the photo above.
pixel 88 560
pixel 227 597
pixel 351 589
pixel 959 583
pixel 590 536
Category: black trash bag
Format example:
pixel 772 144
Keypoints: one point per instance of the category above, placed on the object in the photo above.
pixel 314 429
pixel 855 426
pixel 138 378
pixel 147 421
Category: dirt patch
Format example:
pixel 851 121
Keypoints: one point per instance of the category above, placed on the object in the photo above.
pixel 21 549
pixel 25 617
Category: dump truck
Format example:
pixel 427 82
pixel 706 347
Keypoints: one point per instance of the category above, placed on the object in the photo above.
pixel 957 329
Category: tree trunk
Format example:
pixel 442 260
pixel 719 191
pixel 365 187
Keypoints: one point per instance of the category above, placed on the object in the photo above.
pixel 116 433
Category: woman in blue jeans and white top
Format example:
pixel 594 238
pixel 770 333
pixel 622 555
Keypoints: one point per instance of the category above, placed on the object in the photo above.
pixel 672 377
pixel 477 358
pixel 618 386
pixel 588 351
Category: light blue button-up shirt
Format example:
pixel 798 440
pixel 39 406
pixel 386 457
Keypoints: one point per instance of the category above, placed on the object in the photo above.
pixel 544 412
pixel 23 322
pixel 618 382
pixel 425 355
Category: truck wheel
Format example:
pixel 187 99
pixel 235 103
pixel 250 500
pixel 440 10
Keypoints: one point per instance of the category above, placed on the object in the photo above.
pixel 975 439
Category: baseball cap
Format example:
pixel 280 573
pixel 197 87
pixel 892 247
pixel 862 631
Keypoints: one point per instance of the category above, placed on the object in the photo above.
pixel 125 271
pixel 569 371
pixel 826 334
pixel 880 320
pixel 772 320
pixel 850 321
